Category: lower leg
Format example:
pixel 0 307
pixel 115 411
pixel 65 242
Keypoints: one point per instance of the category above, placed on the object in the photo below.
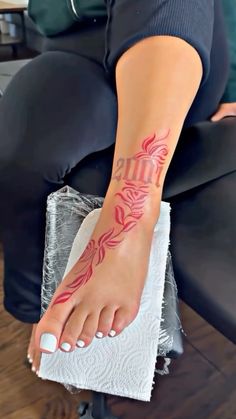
pixel 157 80
pixel 22 225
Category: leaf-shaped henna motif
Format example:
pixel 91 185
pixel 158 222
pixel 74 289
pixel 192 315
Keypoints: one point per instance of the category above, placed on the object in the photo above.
pixel 128 226
pixel 105 236
pixel 156 148
pixel 136 215
pixel 63 297
pixel 101 255
pixel 81 279
pixel 89 251
pixel 119 214
pixel 113 243
pixel 126 201
pixel 137 206
pixel 160 157
pixel 148 142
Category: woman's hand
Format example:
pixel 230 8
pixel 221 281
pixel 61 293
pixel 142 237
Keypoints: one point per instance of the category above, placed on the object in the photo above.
pixel 224 110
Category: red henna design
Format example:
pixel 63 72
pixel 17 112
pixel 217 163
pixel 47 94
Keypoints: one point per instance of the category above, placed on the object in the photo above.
pixel 101 255
pixel 129 226
pixel 113 243
pixel 133 196
pixel 89 251
pixel 83 278
pixel 63 297
pixel 105 236
pixel 155 148
pixel 119 214
pixel 151 159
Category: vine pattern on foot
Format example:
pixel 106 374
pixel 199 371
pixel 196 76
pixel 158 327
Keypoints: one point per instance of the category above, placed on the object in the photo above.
pixel 146 165
pixel 127 213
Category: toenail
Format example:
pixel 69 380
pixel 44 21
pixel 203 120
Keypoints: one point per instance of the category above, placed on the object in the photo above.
pixel 29 359
pixel 66 346
pixel 80 343
pixel 48 342
pixel 33 369
pixel 99 335
pixel 112 333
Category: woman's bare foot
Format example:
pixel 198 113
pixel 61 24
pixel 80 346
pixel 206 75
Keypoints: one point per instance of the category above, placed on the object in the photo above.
pixel 33 353
pixel 101 294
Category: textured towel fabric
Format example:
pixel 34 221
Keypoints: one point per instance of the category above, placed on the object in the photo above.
pixel 123 365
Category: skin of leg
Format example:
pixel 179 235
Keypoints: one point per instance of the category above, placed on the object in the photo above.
pixel 157 80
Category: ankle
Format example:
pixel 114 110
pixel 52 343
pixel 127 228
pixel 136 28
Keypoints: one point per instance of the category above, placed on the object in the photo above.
pixel 151 205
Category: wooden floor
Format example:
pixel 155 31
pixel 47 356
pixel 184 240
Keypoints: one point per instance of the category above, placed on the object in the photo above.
pixel 201 385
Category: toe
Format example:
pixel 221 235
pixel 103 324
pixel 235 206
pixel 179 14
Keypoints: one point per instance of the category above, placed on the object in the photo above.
pixel 105 321
pixel 122 319
pixel 73 328
pixel 30 355
pixel 37 359
pixel 89 330
pixel 30 350
pixel 49 329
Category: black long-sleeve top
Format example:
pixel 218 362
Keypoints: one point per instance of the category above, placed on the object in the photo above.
pixel 132 20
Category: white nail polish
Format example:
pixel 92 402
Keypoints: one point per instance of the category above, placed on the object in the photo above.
pixel 33 369
pixel 80 343
pixel 29 359
pixel 99 335
pixel 48 342
pixel 112 333
pixel 37 373
pixel 66 346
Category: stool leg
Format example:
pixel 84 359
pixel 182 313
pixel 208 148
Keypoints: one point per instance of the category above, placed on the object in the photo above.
pixel 97 409
pixel 100 409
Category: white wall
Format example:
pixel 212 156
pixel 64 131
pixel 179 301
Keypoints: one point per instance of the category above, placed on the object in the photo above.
pixel 21 2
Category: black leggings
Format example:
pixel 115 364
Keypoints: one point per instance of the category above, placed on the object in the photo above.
pixel 57 126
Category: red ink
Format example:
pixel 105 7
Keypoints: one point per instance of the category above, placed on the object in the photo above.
pixel 133 197
pixel 128 212
pixel 156 150
pixel 151 158
pixel 119 214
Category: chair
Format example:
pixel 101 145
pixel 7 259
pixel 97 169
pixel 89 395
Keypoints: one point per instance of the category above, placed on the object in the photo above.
pixel 201 191
pixel 200 186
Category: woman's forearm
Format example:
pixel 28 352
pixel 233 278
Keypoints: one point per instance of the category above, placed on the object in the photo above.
pixel 157 80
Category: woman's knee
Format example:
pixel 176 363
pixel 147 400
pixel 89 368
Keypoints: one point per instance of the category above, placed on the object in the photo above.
pixel 56 110
pixel 28 139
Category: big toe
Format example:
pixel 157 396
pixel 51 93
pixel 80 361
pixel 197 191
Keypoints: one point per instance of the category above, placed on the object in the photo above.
pixel 49 329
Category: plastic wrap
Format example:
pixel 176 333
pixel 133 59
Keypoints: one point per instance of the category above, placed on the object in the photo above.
pixel 66 210
pixel 170 338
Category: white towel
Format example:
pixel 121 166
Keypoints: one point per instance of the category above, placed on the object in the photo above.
pixel 123 365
